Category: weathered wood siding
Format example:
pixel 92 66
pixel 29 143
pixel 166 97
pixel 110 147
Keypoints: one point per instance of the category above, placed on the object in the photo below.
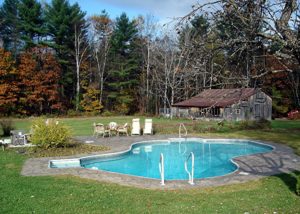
pixel 256 107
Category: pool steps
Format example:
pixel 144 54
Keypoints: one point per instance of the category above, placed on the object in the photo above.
pixel 65 163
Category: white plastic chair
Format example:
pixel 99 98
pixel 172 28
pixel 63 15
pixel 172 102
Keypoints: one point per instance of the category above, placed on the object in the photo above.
pixel 148 127
pixel 113 126
pixel 136 128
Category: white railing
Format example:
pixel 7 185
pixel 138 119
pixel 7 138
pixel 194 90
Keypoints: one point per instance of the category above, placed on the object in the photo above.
pixel 185 149
pixel 182 126
pixel 161 166
pixel 191 174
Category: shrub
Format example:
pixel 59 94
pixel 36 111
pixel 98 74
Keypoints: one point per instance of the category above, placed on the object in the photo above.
pixel 263 124
pixel 50 134
pixel 298 185
pixel 246 124
pixel 196 127
pixel 107 114
pixel 72 113
pixel 255 124
pixel 122 109
pixel 90 102
pixel 91 114
pixel 294 115
pixel 7 126
pixel 200 128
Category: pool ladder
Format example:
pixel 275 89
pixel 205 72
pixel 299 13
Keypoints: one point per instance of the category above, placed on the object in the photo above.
pixel 191 174
pixel 161 166
pixel 180 129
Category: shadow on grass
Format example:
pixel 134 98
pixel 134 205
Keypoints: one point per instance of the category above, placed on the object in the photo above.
pixel 290 180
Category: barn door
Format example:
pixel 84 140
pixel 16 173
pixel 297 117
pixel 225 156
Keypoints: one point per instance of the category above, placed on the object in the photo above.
pixel 259 111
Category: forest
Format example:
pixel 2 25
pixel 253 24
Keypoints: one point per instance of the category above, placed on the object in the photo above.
pixel 54 59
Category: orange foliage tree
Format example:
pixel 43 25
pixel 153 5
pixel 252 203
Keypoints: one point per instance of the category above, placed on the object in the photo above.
pixel 8 83
pixel 39 75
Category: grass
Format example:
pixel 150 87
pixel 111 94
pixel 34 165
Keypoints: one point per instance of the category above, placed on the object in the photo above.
pixel 65 194
pixel 83 125
pixel 36 152
pixel 283 131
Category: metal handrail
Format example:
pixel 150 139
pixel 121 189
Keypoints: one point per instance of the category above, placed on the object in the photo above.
pixel 161 166
pixel 182 125
pixel 191 174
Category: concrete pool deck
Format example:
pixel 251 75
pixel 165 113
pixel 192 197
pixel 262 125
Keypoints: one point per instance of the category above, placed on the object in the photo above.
pixel 281 160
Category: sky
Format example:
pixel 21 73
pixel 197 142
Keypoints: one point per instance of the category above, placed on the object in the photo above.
pixel 162 10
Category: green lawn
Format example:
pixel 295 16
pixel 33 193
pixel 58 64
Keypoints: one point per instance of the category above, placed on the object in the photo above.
pixel 283 131
pixel 66 194
pixel 82 126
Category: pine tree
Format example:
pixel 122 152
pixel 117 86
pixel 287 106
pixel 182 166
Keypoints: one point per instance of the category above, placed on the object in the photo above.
pixel 124 66
pixel 9 26
pixel 31 22
pixel 61 21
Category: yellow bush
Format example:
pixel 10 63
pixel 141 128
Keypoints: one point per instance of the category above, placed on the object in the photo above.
pixel 50 134
pixel 90 102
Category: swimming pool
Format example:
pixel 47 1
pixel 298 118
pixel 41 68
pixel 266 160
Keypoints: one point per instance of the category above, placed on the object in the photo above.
pixel 212 158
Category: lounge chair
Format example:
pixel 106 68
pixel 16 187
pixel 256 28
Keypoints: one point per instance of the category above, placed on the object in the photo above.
pixel 99 129
pixel 123 129
pixel 148 127
pixel 136 128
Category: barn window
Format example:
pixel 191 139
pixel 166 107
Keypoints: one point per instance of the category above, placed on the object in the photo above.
pixel 238 111
pixel 214 111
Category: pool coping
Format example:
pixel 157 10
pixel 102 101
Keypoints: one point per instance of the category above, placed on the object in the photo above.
pixel 251 167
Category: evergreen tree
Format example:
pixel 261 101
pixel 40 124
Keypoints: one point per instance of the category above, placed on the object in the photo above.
pixel 61 21
pixel 31 22
pixel 9 26
pixel 124 72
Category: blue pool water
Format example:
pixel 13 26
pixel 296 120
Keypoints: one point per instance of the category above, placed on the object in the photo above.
pixel 212 158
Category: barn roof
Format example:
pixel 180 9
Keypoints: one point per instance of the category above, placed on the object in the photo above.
pixel 217 97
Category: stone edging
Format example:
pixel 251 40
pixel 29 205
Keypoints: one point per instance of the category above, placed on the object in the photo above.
pixel 251 167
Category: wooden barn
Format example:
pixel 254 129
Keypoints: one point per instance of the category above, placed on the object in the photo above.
pixel 228 104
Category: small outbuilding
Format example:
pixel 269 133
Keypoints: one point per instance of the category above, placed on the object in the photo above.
pixel 228 104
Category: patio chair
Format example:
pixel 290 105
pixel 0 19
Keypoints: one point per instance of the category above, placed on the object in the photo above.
pixel 18 137
pixel 113 126
pixel 123 129
pixel 99 129
pixel 148 127
pixel 136 128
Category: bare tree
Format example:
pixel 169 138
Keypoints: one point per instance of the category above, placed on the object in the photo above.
pixel 81 48
pixel 253 30
pixel 147 28
pixel 101 31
